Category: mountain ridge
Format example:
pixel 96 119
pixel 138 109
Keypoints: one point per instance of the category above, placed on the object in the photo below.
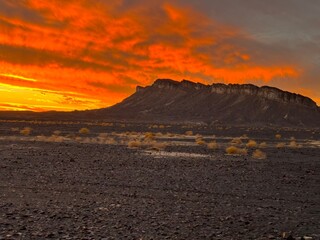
pixel 170 100
pixel 249 89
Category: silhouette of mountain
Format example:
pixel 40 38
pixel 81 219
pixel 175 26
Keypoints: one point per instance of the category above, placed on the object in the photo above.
pixel 167 100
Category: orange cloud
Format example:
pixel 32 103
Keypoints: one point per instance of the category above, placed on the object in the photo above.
pixel 91 55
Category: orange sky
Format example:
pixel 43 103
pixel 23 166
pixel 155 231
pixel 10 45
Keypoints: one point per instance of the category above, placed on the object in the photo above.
pixel 81 54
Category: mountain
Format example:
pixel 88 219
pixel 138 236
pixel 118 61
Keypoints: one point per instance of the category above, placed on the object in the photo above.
pixel 169 100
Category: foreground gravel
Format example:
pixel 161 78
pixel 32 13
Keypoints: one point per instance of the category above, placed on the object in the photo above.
pixel 91 191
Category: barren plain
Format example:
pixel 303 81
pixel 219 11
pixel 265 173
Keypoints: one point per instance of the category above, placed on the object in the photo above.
pixel 84 180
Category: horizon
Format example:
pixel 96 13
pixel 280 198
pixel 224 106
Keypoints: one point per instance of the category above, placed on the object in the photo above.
pixel 82 55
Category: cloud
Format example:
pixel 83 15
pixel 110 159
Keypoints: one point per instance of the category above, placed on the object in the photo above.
pixel 102 50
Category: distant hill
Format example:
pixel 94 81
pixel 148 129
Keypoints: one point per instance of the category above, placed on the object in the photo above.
pixel 169 100
pixel 172 101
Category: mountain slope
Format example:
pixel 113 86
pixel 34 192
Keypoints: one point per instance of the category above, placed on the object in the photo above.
pixel 168 100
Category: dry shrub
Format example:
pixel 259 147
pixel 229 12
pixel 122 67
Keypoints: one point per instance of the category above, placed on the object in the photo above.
pixel 236 141
pixel 169 134
pixel 263 145
pixel 84 131
pixel 56 133
pixel 161 126
pixel 236 151
pixel 103 135
pixel 149 136
pixel 110 141
pixel 244 136
pixel 212 145
pixel 293 144
pixel 15 129
pixel 158 146
pixel 134 144
pixel 278 136
pixel 188 133
pixel 251 144
pixel 280 145
pixel 26 131
pixel 199 140
pixel 258 154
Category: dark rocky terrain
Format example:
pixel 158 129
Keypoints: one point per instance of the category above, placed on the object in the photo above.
pixel 89 190
pixel 217 103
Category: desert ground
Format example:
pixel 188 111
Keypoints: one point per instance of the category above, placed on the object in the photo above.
pixel 86 180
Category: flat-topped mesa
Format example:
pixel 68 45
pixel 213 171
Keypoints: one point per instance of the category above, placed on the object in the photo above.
pixel 172 84
pixel 271 93
pixel 243 89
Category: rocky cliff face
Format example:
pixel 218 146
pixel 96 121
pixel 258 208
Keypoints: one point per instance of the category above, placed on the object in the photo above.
pixel 169 100
pixel 266 92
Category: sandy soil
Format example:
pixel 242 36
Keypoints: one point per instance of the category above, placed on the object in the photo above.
pixel 76 190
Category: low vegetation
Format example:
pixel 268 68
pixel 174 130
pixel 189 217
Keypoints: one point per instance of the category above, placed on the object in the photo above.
pixel 26 131
pixel 84 131
pixel 258 154
pixel 251 144
pixel 233 150
pixel 212 145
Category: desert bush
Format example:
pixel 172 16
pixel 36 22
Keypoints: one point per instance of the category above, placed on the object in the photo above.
pixel 84 131
pixel 280 145
pixel 212 145
pixel 237 151
pixel 293 144
pixel 103 135
pixel 200 141
pixel 251 144
pixel 134 144
pixel 15 129
pixel 278 136
pixel 56 133
pixel 158 146
pixel 111 141
pixel 263 145
pixel 236 141
pixel 188 133
pixel 149 136
pixel 26 131
pixel 258 154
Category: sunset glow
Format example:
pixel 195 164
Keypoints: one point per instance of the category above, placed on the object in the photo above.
pixel 67 55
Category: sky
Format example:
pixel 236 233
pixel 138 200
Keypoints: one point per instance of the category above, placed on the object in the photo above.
pixel 85 54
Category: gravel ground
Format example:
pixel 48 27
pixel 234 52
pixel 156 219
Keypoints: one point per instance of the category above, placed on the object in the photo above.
pixel 72 190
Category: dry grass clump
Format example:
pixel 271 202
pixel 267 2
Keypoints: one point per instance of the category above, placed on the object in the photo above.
pixel 134 144
pixel 84 131
pixel 158 146
pixel 252 144
pixel 293 144
pixel 149 136
pixel 56 133
pixel 199 140
pixel 188 133
pixel 26 131
pixel 212 145
pixel 278 136
pixel 280 145
pixel 258 154
pixel 236 141
pixel 236 151
pixel 263 145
